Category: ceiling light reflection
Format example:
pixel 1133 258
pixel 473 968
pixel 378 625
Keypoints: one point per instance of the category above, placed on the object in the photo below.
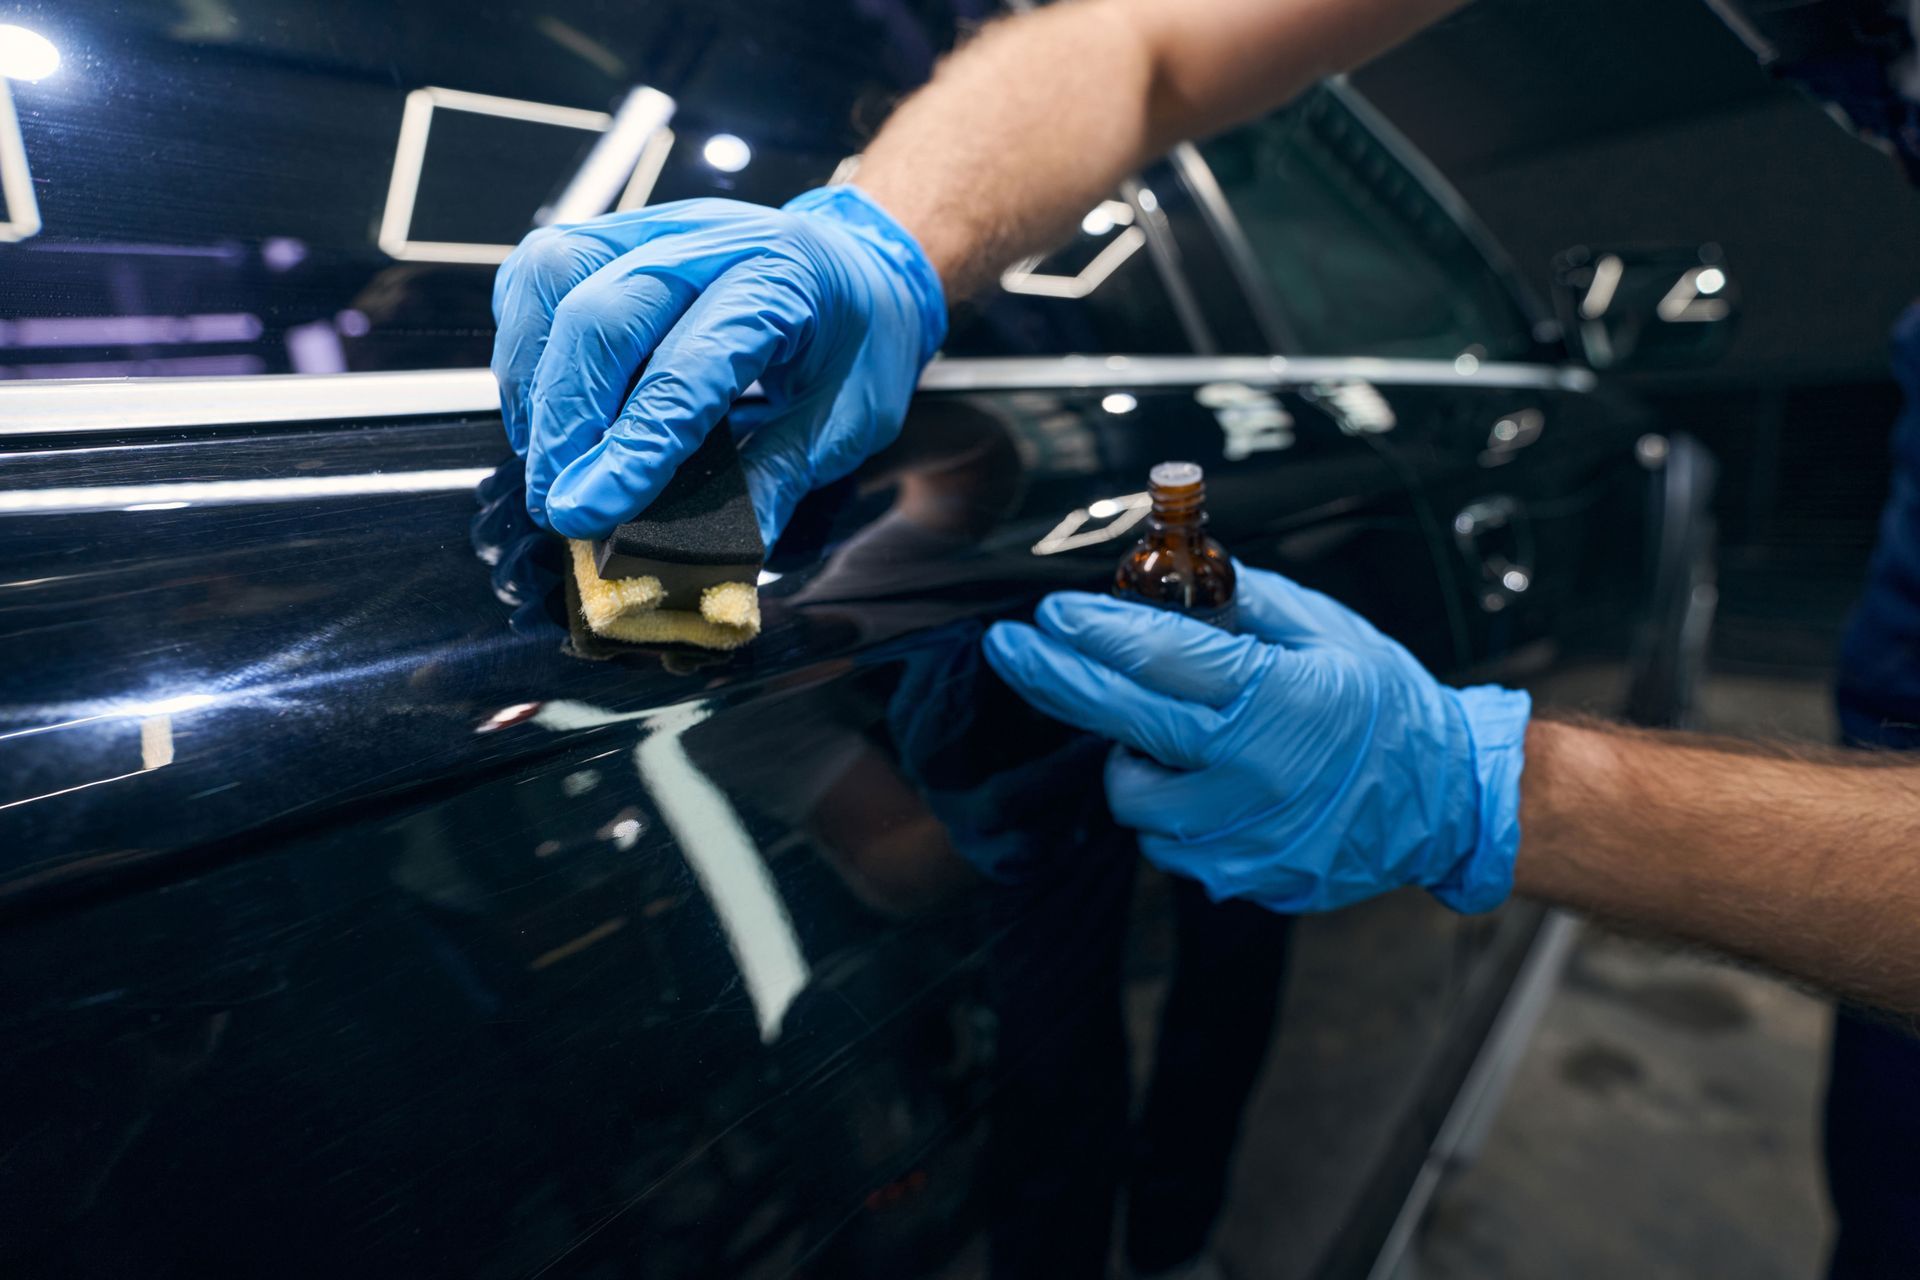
pixel 1710 280
pixel 727 153
pixel 26 55
pixel 1606 280
pixel 1121 513
pixel 609 168
pixel 173 706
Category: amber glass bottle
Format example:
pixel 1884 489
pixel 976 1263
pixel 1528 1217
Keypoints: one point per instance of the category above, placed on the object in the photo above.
pixel 1177 566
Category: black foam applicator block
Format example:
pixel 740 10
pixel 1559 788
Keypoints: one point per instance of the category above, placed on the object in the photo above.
pixel 698 533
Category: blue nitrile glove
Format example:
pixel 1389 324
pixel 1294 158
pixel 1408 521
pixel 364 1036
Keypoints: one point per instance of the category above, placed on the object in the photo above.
pixel 1305 763
pixel 828 303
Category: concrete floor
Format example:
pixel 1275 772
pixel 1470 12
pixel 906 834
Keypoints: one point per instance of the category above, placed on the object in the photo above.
pixel 1665 1120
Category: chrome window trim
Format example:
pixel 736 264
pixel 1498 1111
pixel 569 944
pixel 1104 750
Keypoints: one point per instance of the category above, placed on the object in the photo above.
pixel 1165 253
pixel 1064 372
pixel 67 406
pixel 1446 195
pixel 1242 262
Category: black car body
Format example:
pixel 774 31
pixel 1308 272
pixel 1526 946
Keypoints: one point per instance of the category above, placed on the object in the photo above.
pixel 354 919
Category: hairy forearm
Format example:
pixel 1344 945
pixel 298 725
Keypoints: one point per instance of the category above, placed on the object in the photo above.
pixel 1807 865
pixel 1041 116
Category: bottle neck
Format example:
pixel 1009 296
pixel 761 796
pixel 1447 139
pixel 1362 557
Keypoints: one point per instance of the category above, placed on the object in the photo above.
pixel 1178 511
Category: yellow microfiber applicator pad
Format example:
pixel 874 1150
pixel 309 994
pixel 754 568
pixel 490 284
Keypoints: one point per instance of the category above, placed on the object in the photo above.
pixel 628 609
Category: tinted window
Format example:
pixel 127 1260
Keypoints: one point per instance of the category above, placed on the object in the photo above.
pixel 1361 258
pixel 218 189
pixel 1101 291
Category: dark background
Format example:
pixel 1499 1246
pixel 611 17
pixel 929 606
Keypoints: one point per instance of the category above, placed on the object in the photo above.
pixel 1636 122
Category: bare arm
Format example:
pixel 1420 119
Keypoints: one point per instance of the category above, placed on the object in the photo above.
pixel 1041 116
pixel 1809 866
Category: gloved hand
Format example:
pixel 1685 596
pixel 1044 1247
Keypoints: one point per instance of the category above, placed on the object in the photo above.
pixel 828 303
pixel 1305 763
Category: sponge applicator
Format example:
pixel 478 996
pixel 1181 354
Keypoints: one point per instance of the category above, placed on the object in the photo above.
pixel 686 570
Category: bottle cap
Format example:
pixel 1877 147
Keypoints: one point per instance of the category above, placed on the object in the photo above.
pixel 1175 475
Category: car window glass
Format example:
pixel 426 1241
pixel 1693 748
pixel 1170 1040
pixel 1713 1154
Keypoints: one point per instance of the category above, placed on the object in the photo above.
pixel 1361 258
pixel 212 189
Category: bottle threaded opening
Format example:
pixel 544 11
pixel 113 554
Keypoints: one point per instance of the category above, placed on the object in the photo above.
pixel 1178 491
pixel 1175 475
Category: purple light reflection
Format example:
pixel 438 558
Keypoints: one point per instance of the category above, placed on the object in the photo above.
pixel 129 331
pixel 228 252
pixel 283 253
pixel 315 348
pixel 170 367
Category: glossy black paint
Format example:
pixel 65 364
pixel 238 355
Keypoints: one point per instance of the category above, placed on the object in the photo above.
pixel 406 953
pixel 358 914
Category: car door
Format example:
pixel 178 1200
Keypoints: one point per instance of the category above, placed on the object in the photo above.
pixel 1547 500
pixel 358 914
pixel 1368 271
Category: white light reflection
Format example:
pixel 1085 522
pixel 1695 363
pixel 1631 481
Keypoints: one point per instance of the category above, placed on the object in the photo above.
pixel 729 867
pixel 1070 534
pixel 156 738
pixel 727 153
pixel 410 155
pixel 156 742
pixel 1683 304
pixel 130 710
pixel 610 166
pixel 1119 402
pixel 16 181
pixel 1606 280
pixel 1357 406
pixel 507 716
pixel 1466 364
pixel 646 170
pixel 1710 280
pixel 1101 220
pixel 26 55
pixel 67 791
pixel 174 706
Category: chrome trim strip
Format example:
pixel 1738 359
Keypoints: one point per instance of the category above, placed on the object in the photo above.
pixel 1465 1127
pixel 1058 372
pixel 1165 252
pixel 1445 194
pixel 59 407
pixel 1242 261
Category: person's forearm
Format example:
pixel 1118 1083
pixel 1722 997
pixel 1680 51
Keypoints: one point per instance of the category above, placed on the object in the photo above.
pixel 1041 116
pixel 1809 866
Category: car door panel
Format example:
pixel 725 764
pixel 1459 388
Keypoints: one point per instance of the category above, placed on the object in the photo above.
pixel 813 956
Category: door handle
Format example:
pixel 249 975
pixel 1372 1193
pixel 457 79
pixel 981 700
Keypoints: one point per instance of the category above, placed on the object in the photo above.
pixel 1495 537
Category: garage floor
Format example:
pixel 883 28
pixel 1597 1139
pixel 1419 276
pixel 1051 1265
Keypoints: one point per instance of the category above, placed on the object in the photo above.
pixel 1665 1120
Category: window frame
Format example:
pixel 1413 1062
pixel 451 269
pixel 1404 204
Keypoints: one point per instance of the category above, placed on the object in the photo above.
pixel 1261 298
